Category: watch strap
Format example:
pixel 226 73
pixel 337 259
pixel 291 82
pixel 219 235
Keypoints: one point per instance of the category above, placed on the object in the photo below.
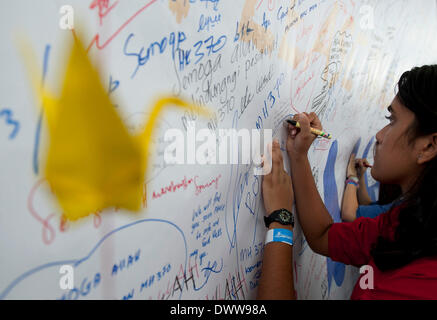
pixel 275 217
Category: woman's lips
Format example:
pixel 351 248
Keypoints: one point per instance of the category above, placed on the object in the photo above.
pixel 375 155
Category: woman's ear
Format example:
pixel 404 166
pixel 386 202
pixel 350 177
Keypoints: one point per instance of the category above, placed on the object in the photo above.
pixel 429 151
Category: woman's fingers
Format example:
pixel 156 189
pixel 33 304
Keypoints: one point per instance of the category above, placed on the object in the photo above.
pixel 273 169
pixel 362 163
pixel 277 161
pixel 366 163
pixel 304 123
pixel 308 120
pixel 267 163
pixel 292 131
pixel 315 121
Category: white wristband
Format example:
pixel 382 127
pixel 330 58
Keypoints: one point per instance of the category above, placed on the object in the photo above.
pixel 279 235
pixel 354 178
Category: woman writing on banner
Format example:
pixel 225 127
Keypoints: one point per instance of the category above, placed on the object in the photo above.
pixel 356 200
pixel 399 245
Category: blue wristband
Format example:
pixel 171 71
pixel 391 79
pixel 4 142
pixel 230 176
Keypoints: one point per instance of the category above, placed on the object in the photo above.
pixel 350 181
pixel 279 235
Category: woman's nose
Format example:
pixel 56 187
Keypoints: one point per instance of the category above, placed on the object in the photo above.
pixel 379 136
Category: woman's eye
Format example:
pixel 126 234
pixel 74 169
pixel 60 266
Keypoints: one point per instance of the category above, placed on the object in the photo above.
pixel 390 118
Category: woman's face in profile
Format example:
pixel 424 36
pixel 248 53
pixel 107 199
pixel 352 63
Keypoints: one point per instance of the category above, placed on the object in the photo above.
pixel 395 161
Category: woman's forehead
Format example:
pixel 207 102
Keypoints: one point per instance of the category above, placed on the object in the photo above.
pixel 398 109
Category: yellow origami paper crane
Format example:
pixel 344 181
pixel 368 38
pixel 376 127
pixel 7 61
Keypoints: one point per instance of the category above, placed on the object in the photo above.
pixel 93 162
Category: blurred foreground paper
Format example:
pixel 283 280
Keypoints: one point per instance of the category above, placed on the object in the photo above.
pixel 93 162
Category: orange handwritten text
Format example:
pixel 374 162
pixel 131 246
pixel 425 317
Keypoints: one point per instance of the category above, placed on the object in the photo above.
pixel 96 38
pixel 172 187
pixel 184 184
pixel 104 8
pixel 201 187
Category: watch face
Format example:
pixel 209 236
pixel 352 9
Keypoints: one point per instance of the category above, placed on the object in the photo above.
pixel 284 217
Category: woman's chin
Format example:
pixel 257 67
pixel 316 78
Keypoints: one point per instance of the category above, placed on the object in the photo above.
pixel 377 176
pixel 374 173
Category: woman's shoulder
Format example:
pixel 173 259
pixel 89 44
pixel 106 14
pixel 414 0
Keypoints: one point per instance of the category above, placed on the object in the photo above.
pixel 389 221
pixel 419 278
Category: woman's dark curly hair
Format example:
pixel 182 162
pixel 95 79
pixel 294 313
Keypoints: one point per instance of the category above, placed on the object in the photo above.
pixel 416 235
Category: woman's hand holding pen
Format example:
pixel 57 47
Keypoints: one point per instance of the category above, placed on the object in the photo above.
pixel 357 167
pixel 300 139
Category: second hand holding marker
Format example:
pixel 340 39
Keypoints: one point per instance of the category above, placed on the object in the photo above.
pixel 314 131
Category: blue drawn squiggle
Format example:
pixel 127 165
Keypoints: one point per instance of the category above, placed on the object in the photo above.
pixel 77 262
pixel 113 84
pixel 8 118
pixel 235 207
pixel 373 189
pixel 208 270
pixel 336 270
pixel 38 126
pixel 356 147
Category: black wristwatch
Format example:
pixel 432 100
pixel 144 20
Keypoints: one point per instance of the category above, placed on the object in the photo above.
pixel 283 216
